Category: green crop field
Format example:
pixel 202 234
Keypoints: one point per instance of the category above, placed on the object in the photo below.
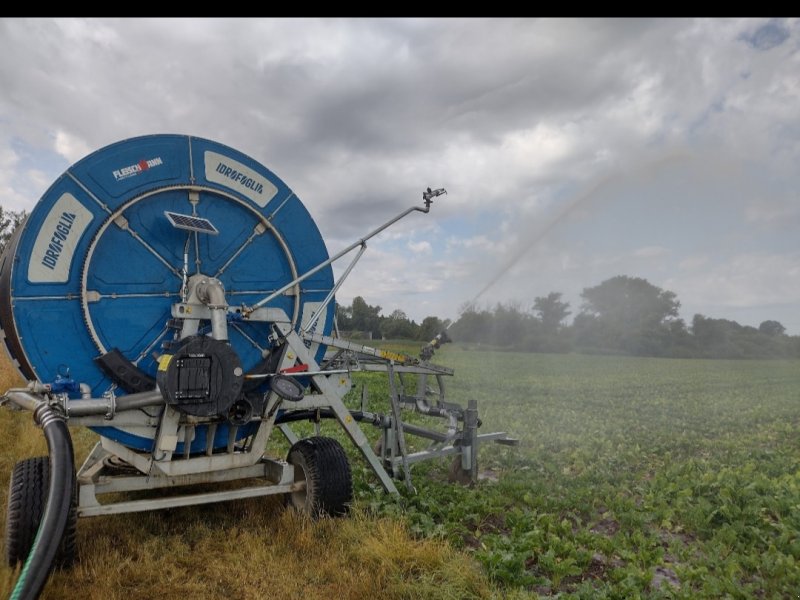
pixel 635 477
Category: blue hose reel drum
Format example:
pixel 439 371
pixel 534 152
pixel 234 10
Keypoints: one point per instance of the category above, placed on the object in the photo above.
pixel 98 264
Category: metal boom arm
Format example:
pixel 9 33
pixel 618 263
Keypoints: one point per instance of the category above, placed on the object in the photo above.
pixel 427 196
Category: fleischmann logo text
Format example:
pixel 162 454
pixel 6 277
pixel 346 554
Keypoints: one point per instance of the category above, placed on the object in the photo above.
pixel 240 178
pixel 142 165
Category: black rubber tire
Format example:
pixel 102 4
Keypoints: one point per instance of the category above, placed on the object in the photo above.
pixel 322 463
pixel 27 496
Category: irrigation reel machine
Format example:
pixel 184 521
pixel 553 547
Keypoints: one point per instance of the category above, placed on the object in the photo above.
pixel 176 297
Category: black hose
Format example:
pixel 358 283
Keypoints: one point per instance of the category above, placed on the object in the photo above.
pixel 40 560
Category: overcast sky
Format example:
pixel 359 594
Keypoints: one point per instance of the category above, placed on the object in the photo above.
pixel 572 150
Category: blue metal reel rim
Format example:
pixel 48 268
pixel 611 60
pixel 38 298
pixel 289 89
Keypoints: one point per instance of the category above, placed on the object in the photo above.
pixel 43 327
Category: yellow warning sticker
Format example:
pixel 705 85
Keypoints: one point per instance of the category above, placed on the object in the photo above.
pixel 393 356
pixel 163 362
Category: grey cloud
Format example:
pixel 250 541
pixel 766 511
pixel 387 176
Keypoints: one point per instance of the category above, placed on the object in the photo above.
pixel 768 36
pixel 359 115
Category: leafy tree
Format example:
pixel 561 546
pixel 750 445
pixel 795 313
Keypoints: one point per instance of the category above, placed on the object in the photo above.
pixel 505 325
pixel 717 338
pixel 552 311
pixel 365 317
pixel 678 341
pixel 626 314
pixel 509 325
pixel 430 328
pixel 473 325
pixel 344 317
pixel 771 328
pixel 397 326
pixel 9 221
pixel 721 338
pixel 593 334
pixel 361 317
pixel 624 299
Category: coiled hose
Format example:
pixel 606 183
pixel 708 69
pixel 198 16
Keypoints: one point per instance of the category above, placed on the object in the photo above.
pixel 40 559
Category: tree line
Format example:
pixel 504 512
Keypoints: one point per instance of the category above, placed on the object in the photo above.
pixel 365 321
pixel 621 315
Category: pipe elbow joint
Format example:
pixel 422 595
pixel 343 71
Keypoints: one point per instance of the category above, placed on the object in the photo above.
pixel 211 293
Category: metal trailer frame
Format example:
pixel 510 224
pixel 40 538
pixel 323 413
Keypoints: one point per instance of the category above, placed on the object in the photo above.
pixel 112 467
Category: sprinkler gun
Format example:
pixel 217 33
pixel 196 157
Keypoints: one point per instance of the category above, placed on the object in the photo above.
pixel 430 348
pixel 429 194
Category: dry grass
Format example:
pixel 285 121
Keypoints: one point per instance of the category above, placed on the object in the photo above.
pixel 243 549
pixel 255 549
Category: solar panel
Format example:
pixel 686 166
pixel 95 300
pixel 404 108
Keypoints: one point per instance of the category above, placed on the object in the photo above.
pixel 191 223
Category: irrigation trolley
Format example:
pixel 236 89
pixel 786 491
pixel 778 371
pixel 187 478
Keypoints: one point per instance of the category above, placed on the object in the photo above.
pixel 176 297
